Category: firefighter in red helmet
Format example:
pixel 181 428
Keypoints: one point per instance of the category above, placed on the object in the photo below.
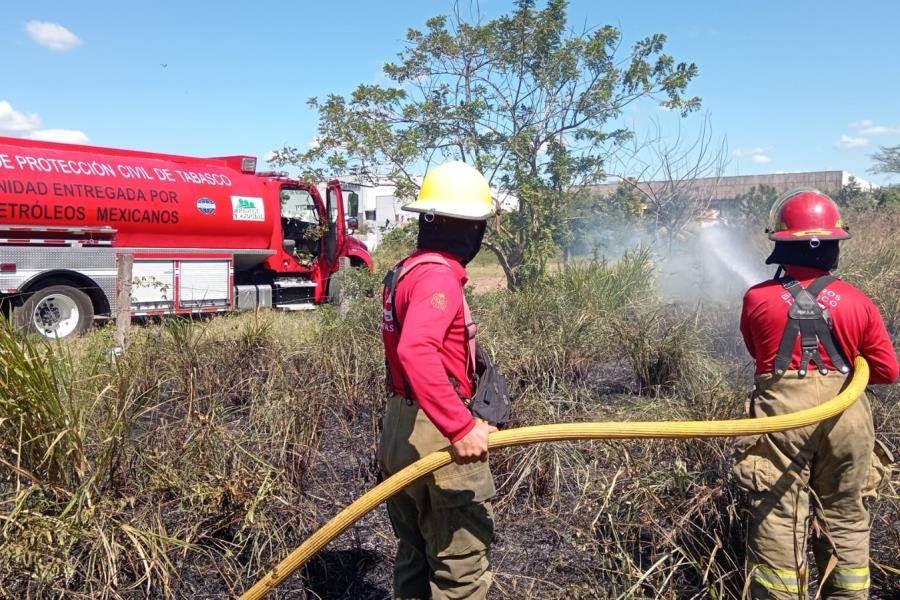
pixel 804 329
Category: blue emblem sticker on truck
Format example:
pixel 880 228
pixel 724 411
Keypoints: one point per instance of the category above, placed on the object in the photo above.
pixel 207 206
pixel 247 208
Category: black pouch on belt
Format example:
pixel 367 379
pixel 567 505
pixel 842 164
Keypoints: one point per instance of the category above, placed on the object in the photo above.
pixel 491 400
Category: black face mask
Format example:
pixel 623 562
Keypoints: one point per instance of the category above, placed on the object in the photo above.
pixel 802 254
pixel 459 237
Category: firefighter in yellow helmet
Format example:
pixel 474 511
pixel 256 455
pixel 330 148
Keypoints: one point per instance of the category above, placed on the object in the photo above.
pixel 455 190
pixel 443 523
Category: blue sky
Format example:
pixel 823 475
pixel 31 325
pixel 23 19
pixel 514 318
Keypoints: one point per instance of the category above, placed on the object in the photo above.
pixel 793 85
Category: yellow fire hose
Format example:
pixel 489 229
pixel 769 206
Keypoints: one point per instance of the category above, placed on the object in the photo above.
pixel 555 433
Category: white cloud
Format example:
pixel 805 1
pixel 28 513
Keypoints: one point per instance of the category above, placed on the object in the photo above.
pixel 863 129
pixel 880 129
pixel 52 35
pixel 742 152
pixel 758 155
pixel 869 127
pixel 848 142
pixel 66 136
pixel 12 120
pixel 29 126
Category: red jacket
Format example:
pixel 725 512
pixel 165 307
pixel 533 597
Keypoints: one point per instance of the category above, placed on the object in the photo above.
pixel 431 345
pixel 857 325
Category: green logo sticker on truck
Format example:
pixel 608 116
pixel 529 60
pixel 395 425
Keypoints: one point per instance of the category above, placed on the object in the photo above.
pixel 247 208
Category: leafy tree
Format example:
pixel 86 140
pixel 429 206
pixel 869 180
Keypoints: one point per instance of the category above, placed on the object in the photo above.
pixel 887 160
pixel 623 207
pixel 395 245
pixel 751 210
pixel 851 195
pixel 602 224
pixel 524 99
pixel 620 228
pixel 888 197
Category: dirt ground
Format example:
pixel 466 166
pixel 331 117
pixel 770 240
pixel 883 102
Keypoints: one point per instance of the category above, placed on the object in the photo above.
pixel 540 552
pixel 485 274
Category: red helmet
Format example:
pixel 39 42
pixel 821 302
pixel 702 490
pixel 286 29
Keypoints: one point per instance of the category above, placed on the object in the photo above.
pixel 806 214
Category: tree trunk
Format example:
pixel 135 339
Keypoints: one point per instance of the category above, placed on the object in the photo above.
pixel 512 281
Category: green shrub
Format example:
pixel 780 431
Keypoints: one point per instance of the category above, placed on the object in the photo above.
pixel 396 244
pixel 871 260
pixel 361 283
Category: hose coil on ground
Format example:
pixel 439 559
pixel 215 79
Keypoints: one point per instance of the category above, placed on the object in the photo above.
pixel 555 433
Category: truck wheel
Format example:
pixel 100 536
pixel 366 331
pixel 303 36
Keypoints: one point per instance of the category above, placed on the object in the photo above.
pixel 336 284
pixel 56 312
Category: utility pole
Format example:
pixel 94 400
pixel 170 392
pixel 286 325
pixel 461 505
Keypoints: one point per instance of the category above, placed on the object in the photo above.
pixel 123 302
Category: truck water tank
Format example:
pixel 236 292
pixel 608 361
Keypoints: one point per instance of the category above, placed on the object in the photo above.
pixel 151 200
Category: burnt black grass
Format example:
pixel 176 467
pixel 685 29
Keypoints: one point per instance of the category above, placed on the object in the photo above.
pixel 190 466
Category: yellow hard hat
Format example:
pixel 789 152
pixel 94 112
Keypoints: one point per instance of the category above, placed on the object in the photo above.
pixel 454 189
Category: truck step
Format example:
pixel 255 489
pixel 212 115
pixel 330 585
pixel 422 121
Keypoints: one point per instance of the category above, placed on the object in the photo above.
pixel 298 306
pixel 294 283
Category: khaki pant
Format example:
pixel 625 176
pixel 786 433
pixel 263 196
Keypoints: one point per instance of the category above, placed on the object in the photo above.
pixel 443 522
pixel 830 464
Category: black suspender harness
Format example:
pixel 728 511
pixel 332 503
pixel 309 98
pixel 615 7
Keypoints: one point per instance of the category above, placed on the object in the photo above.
pixel 807 319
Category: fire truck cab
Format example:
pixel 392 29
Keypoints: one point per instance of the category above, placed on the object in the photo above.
pixel 204 234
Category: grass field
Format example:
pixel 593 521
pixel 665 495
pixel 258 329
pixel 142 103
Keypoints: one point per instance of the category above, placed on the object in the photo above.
pixel 191 465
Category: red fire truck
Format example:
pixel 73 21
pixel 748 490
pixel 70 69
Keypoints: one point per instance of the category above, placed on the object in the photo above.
pixel 205 234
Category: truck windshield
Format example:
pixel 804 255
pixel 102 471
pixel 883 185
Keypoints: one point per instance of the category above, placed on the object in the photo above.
pixel 300 225
pixel 299 205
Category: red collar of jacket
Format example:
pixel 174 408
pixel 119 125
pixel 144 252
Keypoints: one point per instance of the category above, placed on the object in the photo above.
pixel 803 273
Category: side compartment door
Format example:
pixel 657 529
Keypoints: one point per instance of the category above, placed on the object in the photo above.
pixel 337 227
pixel 153 286
pixel 204 284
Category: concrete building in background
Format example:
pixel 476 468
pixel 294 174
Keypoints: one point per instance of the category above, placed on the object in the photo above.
pixel 732 186
pixel 377 204
pixel 373 202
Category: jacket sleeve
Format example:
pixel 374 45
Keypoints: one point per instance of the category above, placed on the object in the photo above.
pixel 435 300
pixel 877 349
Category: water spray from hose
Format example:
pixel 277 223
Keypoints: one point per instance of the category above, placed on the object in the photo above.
pixel 720 244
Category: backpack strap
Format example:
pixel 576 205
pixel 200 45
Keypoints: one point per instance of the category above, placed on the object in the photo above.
pixel 392 280
pixel 808 320
pixel 390 291
pixel 471 333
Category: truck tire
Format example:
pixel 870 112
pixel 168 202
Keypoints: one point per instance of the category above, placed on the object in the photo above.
pixel 55 312
pixel 336 295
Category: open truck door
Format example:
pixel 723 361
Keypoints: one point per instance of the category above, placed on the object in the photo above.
pixel 335 238
pixel 337 226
